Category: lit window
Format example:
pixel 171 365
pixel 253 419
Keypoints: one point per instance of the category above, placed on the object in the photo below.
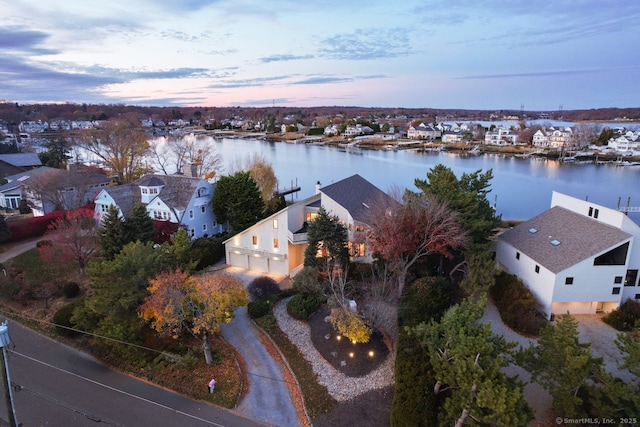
pixel 275 223
pixel 275 243
pixel 255 240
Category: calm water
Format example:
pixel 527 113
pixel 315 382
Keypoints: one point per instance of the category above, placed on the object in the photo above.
pixel 521 187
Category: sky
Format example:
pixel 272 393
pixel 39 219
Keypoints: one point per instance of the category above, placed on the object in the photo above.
pixel 468 54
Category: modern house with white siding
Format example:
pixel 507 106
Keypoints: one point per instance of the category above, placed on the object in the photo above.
pixel 277 243
pixel 577 256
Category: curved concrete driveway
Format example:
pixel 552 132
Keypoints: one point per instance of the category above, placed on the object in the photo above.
pixel 268 399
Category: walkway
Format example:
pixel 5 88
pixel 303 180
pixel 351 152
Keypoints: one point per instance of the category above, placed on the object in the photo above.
pixel 268 399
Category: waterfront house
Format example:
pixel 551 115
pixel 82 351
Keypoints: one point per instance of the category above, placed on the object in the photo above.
pixel 577 256
pixel 500 136
pixel 423 131
pixel 15 163
pixel 277 243
pixel 48 189
pixel 554 138
pixel 178 199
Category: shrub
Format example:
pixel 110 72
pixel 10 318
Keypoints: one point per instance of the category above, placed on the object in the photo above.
pixel 348 324
pixel 258 308
pixel 303 305
pixel 32 227
pixel 62 317
pixel 71 290
pixel 263 288
pixel 44 242
pixel 624 317
pixel 308 281
pixel 425 299
pixel 206 251
pixel 518 307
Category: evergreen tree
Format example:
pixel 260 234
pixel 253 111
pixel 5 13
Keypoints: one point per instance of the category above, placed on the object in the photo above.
pixel 237 199
pixel 326 236
pixel 5 232
pixel 139 226
pixel 113 235
pixel 56 155
pixel 467 360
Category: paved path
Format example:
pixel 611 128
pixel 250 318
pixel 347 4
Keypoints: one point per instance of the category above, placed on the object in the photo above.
pixel 269 398
pixel 57 385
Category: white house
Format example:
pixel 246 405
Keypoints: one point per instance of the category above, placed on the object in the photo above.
pixel 500 136
pixel 423 131
pixel 577 256
pixel 277 243
pixel 175 198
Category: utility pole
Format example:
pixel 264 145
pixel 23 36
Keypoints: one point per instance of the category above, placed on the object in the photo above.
pixel 6 378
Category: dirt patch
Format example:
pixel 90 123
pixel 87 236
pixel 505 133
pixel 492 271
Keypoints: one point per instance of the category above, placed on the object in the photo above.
pixel 371 409
pixel 354 360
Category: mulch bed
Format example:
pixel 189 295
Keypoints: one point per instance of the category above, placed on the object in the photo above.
pixel 353 360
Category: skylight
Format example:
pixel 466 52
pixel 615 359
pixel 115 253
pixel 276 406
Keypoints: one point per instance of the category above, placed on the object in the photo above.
pixel 533 230
pixel 555 242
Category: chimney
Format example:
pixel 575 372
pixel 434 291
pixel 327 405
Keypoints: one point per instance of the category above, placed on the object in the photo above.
pixel 318 187
pixel 192 171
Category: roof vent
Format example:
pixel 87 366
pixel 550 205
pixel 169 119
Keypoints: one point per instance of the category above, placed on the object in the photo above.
pixel 555 242
pixel 533 230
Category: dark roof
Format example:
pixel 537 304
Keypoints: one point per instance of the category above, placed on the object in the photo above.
pixel 357 195
pixel 579 237
pixel 177 190
pixel 21 159
pixel 125 196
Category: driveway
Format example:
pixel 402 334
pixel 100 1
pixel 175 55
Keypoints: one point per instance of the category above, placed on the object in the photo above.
pixel 591 329
pixel 268 399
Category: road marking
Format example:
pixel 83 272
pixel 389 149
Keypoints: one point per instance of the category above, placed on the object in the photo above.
pixel 115 389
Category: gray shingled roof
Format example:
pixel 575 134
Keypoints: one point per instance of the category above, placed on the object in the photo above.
pixel 126 197
pixel 177 190
pixel 21 159
pixel 355 194
pixel 580 238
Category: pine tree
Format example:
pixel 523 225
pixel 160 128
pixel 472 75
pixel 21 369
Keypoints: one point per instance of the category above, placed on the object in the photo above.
pixel 237 199
pixel 113 235
pixel 5 232
pixel 327 236
pixel 139 226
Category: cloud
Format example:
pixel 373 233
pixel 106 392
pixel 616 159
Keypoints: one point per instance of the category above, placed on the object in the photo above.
pixel 284 57
pixel 551 73
pixel 324 79
pixel 366 44
pixel 20 40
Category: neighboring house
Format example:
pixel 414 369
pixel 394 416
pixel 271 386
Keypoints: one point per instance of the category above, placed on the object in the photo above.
pixel 276 244
pixel 628 143
pixel 500 136
pixel 452 137
pixel 175 198
pixel 554 138
pixel 577 256
pixel 423 131
pixel 48 189
pixel 12 164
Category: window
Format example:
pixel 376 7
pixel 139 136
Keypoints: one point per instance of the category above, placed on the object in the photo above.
pixel 617 280
pixel 590 211
pixel 537 269
pixel 595 213
pixel 203 209
pixel 190 213
pixel 517 255
pixel 275 224
pixel 637 296
pixel 632 276
pixel 204 227
pixel 615 291
pixel 192 232
pixel 275 243
pixel 254 239
pixel 568 281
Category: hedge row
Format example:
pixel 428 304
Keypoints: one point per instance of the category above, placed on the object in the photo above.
pixel 32 227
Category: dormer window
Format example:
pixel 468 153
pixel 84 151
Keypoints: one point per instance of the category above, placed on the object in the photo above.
pixel 202 192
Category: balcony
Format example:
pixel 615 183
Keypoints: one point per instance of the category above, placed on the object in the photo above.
pixel 297 238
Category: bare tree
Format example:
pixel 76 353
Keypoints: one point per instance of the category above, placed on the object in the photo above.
pixel 59 189
pixel 120 143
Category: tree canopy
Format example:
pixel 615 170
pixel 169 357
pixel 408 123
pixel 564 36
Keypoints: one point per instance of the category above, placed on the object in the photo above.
pixel 326 242
pixel 237 199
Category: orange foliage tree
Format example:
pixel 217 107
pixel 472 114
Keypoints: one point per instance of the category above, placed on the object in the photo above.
pixel 198 304
pixel 403 233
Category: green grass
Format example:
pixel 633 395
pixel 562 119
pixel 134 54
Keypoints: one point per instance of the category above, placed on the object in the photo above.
pixel 316 397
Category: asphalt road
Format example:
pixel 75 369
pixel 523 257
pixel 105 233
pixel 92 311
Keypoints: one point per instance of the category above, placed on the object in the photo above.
pixel 56 385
